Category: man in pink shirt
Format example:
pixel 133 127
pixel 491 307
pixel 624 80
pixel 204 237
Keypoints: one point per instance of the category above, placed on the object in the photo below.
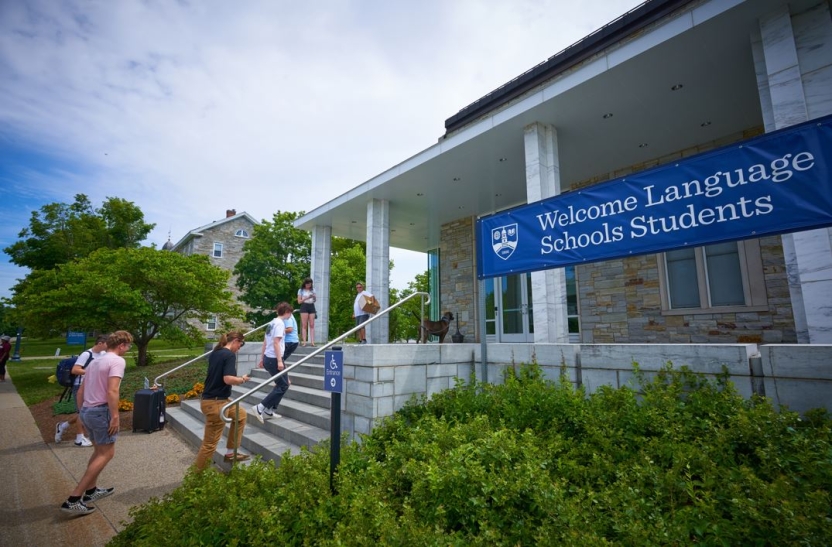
pixel 99 413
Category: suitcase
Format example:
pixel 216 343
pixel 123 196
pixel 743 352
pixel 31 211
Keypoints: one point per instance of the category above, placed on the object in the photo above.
pixel 149 410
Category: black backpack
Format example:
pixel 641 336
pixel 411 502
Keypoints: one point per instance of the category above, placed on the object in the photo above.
pixel 64 370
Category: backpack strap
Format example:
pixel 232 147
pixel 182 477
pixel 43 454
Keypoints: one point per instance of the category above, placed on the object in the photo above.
pixel 89 359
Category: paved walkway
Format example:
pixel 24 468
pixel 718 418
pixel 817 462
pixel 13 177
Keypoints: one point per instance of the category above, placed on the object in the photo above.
pixel 37 477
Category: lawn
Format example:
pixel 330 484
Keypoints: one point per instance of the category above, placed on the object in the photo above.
pixel 30 375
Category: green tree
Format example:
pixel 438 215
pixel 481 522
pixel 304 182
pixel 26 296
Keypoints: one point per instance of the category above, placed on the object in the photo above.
pixel 7 323
pixel 404 320
pixel 348 265
pixel 59 233
pixel 144 291
pixel 275 261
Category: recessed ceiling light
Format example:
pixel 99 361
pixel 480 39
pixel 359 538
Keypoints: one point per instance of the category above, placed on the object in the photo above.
pixel 420 194
pixel 607 116
pixel 704 124
pixel 677 87
pixel 457 179
pixel 353 221
pixel 643 145
pixel 503 159
pixel 461 207
pixel 413 224
pixel 497 195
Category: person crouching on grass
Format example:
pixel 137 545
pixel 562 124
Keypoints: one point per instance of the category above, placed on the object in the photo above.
pixel 99 395
pixel 222 374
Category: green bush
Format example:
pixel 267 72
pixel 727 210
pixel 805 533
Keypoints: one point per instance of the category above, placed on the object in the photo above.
pixel 682 461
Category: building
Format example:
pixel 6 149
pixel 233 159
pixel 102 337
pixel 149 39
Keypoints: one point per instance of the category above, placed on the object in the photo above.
pixel 222 241
pixel 662 83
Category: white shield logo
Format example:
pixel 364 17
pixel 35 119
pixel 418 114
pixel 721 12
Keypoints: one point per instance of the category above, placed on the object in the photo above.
pixel 504 240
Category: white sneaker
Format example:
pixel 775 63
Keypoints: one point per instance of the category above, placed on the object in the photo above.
pixel 83 441
pixel 59 431
pixel 258 413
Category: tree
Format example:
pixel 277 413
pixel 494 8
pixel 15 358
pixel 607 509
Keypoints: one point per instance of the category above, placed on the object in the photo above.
pixel 348 265
pixel 144 291
pixel 275 261
pixel 60 232
pixel 403 324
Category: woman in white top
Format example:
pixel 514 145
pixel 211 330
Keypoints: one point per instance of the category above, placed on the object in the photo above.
pixel 306 299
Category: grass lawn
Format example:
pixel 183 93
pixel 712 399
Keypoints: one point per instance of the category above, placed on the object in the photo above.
pixel 30 376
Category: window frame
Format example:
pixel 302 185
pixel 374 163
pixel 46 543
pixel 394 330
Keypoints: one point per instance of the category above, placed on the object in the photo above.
pixel 753 282
pixel 214 250
pixel 242 232
pixel 211 319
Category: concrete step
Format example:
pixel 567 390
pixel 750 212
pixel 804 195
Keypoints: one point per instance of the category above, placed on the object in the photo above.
pixel 256 441
pixel 304 410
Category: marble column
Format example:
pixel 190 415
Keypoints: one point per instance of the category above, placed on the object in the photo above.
pixel 548 286
pixel 321 256
pixel 378 265
pixel 793 61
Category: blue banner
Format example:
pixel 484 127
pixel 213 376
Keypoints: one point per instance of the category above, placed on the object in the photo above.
pixel 776 183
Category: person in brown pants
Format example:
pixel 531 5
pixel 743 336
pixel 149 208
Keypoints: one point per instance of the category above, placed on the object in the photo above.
pixel 222 374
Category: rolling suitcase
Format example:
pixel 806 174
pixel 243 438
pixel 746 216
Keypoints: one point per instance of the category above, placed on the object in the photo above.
pixel 149 410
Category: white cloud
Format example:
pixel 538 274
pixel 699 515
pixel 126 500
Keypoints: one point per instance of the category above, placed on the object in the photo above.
pixel 188 109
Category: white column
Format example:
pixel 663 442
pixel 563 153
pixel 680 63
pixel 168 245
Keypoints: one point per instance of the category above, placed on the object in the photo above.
pixel 795 84
pixel 378 265
pixel 548 286
pixel 321 259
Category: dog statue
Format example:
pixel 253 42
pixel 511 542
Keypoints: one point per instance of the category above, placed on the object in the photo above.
pixel 436 328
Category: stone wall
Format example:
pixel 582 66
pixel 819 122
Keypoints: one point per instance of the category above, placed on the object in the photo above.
pixel 380 379
pixel 458 277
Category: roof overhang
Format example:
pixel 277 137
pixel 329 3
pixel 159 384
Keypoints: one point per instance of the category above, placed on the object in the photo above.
pixel 480 168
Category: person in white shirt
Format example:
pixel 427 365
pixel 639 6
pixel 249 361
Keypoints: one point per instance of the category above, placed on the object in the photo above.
pixel 271 358
pixel 360 315
pixel 78 371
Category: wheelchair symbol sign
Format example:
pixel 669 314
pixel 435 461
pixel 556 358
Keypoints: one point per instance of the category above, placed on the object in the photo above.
pixel 334 371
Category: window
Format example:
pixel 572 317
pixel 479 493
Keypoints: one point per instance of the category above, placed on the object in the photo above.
pixel 723 277
pixel 241 233
pixel 572 315
pixel 211 324
pixel 217 250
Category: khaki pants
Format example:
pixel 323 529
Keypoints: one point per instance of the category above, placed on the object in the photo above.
pixel 214 426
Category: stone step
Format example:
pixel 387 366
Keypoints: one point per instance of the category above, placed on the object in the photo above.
pixel 315 380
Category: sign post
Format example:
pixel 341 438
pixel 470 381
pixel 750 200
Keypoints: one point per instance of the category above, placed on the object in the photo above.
pixel 333 382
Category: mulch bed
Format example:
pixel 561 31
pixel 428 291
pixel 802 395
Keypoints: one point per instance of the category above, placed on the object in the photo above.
pixel 42 412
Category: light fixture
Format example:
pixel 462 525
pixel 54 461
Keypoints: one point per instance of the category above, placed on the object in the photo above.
pixel 503 159
pixel 607 116
pixel 457 179
pixel 643 145
pixel 420 194
pixel 413 224
pixel 461 207
pixel 497 195
pixel 353 222
pixel 677 87
pixel 704 124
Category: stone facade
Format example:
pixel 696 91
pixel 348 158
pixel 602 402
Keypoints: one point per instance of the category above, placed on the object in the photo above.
pixel 619 301
pixel 458 277
pixel 201 241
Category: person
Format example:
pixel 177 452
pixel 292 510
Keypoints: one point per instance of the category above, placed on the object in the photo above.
pixel 5 352
pixel 360 315
pixel 290 341
pixel 306 299
pixel 78 371
pixel 99 394
pixel 222 374
pixel 271 358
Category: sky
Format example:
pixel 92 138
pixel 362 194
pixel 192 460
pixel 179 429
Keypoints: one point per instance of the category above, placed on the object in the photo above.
pixel 189 108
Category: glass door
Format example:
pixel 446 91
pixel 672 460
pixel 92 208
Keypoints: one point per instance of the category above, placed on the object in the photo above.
pixel 514 314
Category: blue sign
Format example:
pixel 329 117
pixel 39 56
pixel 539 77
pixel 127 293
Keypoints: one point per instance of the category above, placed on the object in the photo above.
pixel 773 184
pixel 333 371
pixel 76 338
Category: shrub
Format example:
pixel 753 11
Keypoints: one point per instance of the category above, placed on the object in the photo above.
pixel 684 460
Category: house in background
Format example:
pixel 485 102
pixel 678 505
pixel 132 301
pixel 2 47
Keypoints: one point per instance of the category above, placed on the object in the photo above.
pixel 222 241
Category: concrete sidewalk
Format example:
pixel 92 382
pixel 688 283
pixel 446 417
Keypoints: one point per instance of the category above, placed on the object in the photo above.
pixel 37 477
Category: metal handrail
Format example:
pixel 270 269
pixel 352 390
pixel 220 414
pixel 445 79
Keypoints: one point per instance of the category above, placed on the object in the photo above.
pixel 195 359
pixel 316 352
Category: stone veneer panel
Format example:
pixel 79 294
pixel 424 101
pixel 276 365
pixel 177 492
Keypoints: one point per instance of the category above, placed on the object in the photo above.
pixel 458 277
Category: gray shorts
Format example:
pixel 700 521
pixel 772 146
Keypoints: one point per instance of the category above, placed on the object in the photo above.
pixel 361 319
pixel 97 421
